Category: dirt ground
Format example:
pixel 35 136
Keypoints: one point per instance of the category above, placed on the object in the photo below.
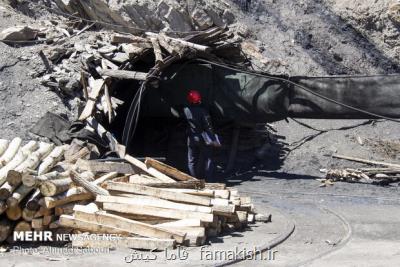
pixel 340 225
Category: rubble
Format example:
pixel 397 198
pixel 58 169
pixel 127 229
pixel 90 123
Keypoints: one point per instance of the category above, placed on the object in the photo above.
pixel 19 33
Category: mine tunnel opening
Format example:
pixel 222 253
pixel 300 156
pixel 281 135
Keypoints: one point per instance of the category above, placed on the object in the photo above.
pixel 165 137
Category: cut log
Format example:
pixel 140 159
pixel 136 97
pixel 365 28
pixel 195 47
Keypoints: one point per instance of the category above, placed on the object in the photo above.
pixel 31 163
pixel 19 194
pixel 71 222
pixel 43 212
pixel 22 154
pixel 28 215
pixel 52 159
pixel 155 192
pixel 6 190
pixel 36 181
pixel 153 202
pixel 14 213
pixel 130 226
pixel 47 219
pixel 37 223
pixel 3 146
pixel 151 171
pixel 168 170
pixel 3 207
pixel 97 86
pixel 152 244
pixel 72 195
pixel 54 187
pixel 22 226
pixel 106 167
pixel 33 201
pixel 159 212
pixel 90 187
pixel 6 228
pixel 12 149
pixel 123 74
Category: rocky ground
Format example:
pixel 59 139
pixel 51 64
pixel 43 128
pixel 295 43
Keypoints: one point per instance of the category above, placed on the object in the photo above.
pixel 307 37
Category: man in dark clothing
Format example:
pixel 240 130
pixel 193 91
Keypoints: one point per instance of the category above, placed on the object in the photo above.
pixel 201 138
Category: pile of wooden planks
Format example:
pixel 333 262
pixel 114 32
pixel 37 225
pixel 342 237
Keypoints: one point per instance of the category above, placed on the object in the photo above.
pixel 149 205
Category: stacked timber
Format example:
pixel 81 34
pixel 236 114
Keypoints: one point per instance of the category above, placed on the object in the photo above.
pixel 147 204
pixel 157 207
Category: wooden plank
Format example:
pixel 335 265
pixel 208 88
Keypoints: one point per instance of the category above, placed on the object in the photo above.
pixel 182 223
pixel 71 222
pixel 154 202
pixel 215 186
pixel 123 74
pixel 195 236
pixel 97 86
pixel 151 171
pixel 202 48
pixel 90 187
pixel 159 212
pixel 168 170
pixel 127 225
pixel 155 192
pixel 393 165
pixel 124 242
pixel 106 167
pixel 203 192
pixel 191 185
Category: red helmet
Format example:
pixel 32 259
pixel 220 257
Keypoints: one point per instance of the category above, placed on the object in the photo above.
pixel 194 97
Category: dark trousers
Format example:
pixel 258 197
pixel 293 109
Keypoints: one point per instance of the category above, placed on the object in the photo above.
pixel 200 162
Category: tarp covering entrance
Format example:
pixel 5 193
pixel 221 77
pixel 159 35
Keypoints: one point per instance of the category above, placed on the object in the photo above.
pixel 245 98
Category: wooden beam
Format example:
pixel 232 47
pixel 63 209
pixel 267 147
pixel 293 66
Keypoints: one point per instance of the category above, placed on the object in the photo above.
pixel 151 171
pixel 168 170
pixel 127 225
pixel 90 187
pixel 123 74
pixel 373 162
pixel 106 167
pixel 124 242
pixel 159 193
pixel 154 202
pixel 97 86
pixel 202 48
pixel 159 212
pixel 71 222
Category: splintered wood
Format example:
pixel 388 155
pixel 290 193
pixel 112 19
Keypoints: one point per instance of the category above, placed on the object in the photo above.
pixel 148 205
